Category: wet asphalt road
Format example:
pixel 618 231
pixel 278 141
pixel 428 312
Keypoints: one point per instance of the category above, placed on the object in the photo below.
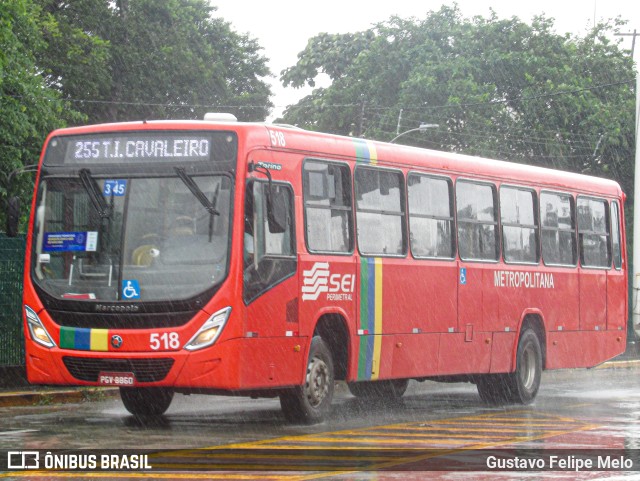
pixel 598 410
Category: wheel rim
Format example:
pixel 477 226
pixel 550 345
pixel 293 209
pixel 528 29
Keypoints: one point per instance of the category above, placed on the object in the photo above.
pixel 529 368
pixel 317 385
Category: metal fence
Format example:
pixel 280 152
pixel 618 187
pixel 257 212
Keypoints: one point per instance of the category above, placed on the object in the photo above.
pixel 11 266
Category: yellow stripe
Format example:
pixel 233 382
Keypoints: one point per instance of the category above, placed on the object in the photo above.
pixel 99 340
pixel 377 343
pixel 373 153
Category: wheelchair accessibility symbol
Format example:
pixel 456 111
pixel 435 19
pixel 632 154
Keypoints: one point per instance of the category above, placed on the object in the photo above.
pixel 463 275
pixel 130 289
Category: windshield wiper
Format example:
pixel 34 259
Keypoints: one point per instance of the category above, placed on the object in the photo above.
pixel 195 190
pixel 97 199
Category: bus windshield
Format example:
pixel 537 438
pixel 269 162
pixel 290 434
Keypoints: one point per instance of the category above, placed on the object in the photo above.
pixel 131 239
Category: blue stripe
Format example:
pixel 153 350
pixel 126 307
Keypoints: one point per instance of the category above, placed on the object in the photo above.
pixel 83 339
pixel 362 151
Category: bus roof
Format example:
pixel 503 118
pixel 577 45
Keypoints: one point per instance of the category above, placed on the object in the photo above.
pixel 332 146
pixel 395 155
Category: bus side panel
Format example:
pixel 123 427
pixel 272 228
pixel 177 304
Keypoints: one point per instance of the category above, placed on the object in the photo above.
pixel 399 300
pixel 415 354
pixel 562 300
pixel 617 301
pixel 593 299
pixel 272 362
pixel 582 349
pixel 470 305
pixel 502 348
pixel 426 297
pixel 419 297
pixel 469 349
pixel 553 293
pixel 458 355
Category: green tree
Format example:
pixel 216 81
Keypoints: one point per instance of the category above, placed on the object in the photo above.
pixel 138 59
pixel 28 108
pixel 498 88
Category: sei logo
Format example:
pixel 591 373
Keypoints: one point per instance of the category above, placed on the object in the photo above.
pixel 319 280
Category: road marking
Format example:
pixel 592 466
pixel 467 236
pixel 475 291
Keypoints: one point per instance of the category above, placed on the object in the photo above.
pixel 314 456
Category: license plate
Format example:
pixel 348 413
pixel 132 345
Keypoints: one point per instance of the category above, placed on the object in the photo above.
pixel 116 379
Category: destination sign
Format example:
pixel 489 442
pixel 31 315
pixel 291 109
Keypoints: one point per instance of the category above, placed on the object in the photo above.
pixel 197 148
pixel 130 147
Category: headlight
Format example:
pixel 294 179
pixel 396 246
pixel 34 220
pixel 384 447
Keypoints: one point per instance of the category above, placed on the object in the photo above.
pixel 38 333
pixel 209 331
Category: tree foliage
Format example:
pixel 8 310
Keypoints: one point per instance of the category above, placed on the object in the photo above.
pixel 68 62
pixel 499 88
pixel 138 59
pixel 28 108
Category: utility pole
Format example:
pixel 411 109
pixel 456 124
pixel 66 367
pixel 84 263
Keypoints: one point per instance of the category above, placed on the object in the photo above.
pixel 635 301
pixel 633 41
pixel 399 120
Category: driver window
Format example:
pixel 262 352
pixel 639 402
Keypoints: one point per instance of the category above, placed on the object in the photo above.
pixel 269 247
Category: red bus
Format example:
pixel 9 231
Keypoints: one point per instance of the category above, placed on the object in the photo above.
pixel 250 259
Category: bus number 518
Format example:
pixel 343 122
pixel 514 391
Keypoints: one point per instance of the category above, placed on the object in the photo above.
pixel 166 340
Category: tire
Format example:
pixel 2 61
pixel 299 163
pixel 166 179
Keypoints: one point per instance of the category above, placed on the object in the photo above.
pixel 311 402
pixel 525 381
pixel 146 401
pixel 393 389
pixel 521 386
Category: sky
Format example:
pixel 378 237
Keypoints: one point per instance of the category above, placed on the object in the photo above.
pixel 283 27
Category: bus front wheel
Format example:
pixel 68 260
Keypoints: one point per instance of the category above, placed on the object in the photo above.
pixel 311 402
pixel 146 401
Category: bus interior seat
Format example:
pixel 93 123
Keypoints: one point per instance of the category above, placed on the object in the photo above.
pixel 142 255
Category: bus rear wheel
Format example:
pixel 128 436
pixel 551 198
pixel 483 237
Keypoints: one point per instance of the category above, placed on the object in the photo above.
pixel 311 402
pixel 521 386
pixel 525 381
pixel 393 389
pixel 146 401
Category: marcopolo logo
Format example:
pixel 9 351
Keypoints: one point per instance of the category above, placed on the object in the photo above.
pixel 319 280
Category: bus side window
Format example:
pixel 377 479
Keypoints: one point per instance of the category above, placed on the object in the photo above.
pixel 380 211
pixel 557 218
pixel 327 204
pixel 593 230
pixel 519 225
pixel 431 216
pixel 615 236
pixel 477 221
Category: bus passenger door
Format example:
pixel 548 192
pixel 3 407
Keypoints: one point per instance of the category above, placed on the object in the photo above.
pixel 270 286
pixel 465 349
pixel 616 277
pixel 595 260
pixel 593 300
